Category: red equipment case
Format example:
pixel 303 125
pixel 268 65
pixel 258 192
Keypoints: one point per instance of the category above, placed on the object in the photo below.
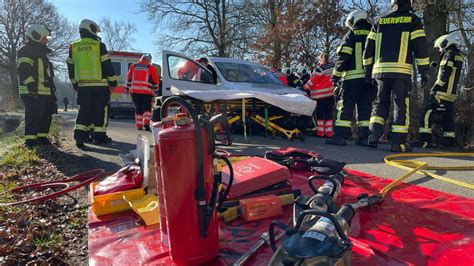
pixel 253 174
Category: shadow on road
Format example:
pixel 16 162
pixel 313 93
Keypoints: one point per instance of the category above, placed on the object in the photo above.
pixel 71 164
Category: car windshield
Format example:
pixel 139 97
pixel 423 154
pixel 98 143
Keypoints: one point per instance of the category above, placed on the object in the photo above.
pixel 250 73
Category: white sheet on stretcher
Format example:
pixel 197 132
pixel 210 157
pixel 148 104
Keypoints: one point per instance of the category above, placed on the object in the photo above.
pixel 292 103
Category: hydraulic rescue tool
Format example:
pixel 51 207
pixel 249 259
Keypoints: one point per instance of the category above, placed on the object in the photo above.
pixel 324 196
pixel 189 180
pixel 321 240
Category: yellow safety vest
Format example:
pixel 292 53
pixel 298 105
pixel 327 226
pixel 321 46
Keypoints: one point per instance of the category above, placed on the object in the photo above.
pixel 86 59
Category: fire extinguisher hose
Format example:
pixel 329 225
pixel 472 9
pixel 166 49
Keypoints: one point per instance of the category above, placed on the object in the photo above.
pixel 200 193
pixel 229 183
pixel 85 179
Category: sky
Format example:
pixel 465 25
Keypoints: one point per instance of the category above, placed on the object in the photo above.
pixel 124 10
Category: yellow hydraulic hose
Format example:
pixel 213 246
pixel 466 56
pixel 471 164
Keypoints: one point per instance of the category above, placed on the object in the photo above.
pixel 413 166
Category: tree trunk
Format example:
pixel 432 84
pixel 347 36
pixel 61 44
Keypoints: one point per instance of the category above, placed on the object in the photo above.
pixel 435 19
pixel 13 75
pixel 276 46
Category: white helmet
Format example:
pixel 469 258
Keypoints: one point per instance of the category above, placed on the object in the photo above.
pixel 286 71
pixel 354 17
pixel 302 70
pixel 89 25
pixel 36 32
pixel 444 42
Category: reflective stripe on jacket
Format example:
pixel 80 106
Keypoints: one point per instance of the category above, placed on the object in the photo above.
pixel 142 78
pixel 35 71
pixel 320 85
pixel 394 43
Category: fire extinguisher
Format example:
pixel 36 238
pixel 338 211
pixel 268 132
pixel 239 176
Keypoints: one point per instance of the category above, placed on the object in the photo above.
pixel 190 182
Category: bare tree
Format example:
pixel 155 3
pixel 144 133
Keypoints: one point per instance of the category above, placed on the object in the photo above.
pixel 15 18
pixel 205 26
pixel 117 35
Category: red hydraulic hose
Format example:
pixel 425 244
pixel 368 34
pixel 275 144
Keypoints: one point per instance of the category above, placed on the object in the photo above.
pixel 86 178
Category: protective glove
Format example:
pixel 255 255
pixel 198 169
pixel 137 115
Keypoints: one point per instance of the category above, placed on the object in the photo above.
pixel 32 88
pixel 368 75
pixel 335 80
pixel 338 92
pixel 425 77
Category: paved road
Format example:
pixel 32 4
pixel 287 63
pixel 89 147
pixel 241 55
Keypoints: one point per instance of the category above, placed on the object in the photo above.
pixel 358 158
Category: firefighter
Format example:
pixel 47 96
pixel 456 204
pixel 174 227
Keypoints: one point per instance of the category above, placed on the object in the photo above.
pixel 36 88
pixel 395 41
pixel 205 62
pixel 321 89
pixel 142 81
pixel 439 109
pixel 292 80
pixel 91 74
pixel 353 90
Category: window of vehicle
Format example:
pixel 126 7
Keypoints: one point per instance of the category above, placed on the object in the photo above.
pixel 250 73
pixel 117 68
pixel 183 69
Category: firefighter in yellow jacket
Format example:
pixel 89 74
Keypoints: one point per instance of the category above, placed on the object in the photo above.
pixel 439 109
pixel 395 42
pixel 36 88
pixel 353 91
pixel 91 73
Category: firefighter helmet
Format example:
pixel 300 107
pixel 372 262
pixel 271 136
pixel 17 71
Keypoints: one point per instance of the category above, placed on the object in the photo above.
pixel 354 17
pixel 36 32
pixel 444 42
pixel 302 70
pixel 408 3
pixel 90 26
pixel 286 71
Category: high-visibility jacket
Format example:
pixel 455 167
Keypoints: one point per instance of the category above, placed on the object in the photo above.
pixel 89 63
pixel 349 62
pixel 395 41
pixel 320 85
pixel 142 78
pixel 449 71
pixel 283 79
pixel 190 71
pixel 35 71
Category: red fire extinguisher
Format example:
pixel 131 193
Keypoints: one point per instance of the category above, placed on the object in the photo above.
pixel 190 184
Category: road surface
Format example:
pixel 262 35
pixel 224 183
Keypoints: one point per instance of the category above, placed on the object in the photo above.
pixel 363 159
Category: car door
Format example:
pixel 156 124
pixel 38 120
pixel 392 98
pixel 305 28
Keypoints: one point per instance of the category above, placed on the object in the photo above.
pixel 184 73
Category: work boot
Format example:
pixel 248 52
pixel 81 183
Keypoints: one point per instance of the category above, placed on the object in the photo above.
pixel 339 141
pixel 44 141
pixel 422 144
pixel 31 144
pixel 372 141
pixel 401 148
pixel 80 145
pixel 104 140
pixel 447 142
pixel 147 128
pixel 362 142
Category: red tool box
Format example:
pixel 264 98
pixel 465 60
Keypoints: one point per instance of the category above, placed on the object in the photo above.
pixel 253 174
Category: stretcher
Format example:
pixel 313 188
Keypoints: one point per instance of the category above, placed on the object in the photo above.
pixel 272 127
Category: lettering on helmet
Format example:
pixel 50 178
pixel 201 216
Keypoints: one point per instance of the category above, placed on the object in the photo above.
pixel 395 20
pixel 361 32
